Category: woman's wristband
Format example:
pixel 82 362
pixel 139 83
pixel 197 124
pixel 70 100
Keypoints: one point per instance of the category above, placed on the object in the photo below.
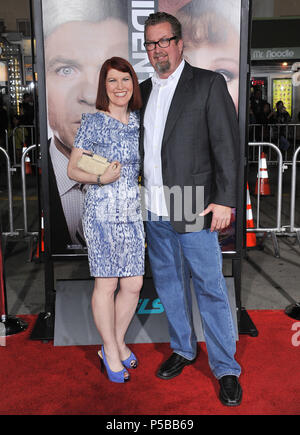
pixel 99 181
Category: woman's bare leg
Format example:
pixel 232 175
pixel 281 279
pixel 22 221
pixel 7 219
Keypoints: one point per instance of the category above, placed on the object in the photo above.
pixel 103 307
pixel 125 306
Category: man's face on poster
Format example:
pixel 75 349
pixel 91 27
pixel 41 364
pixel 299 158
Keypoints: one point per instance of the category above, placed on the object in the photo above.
pixel 74 54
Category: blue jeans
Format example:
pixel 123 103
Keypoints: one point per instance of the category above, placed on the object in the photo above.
pixel 174 259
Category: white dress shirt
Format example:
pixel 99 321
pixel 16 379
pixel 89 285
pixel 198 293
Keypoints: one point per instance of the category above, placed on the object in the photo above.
pixel 154 125
pixel 71 196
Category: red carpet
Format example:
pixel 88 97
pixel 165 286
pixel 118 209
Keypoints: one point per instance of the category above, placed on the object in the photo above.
pixel 38 378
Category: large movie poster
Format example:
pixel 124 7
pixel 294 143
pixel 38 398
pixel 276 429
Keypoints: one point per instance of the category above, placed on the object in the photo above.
pixel 79 35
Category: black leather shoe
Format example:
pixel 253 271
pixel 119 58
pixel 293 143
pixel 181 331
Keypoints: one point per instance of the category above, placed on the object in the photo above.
pixel 230 391
pixel 173 366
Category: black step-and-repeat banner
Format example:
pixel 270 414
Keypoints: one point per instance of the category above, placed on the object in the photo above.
pixel 79 35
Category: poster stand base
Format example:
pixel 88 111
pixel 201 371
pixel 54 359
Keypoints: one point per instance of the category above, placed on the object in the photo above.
pixel 44 328
pixel 11 325
pixel 293 311
pixel 246 326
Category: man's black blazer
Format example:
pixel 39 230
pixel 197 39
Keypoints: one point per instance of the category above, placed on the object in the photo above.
pixel 200 142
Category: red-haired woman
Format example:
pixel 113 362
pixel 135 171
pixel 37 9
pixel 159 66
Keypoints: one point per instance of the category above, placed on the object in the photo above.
pixel 112 219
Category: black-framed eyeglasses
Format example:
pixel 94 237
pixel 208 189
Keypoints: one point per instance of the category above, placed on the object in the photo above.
pixel 162 43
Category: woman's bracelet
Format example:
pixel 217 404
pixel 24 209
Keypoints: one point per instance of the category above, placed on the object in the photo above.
pixel 99 181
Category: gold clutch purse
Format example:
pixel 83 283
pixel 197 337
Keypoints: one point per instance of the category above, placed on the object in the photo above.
pixel 93 164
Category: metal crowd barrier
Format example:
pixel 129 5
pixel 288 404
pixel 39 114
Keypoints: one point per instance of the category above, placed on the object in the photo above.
pixel 278 229
pixel 23 233
pixel 24 196
pixel 9 187
pixel 27 135
pixel 274 231
pixel 271 133
pixel 293 196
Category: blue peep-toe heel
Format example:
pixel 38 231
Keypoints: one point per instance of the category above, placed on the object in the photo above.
pixel 118 377
pixel 131 362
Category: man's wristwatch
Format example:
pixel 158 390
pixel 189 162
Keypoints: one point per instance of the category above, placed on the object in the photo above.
pixel 99 182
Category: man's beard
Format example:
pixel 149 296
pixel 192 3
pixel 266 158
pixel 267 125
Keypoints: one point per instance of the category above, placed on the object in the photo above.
pixel 163 67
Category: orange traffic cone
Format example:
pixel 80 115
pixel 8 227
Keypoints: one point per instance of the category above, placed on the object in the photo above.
pixel 250 236
pixel 264 178
pixel 28 169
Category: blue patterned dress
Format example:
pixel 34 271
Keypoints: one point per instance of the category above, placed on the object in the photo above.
pixel 112 218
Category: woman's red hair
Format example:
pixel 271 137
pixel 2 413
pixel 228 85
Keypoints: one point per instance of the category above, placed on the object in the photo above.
pixel 121 65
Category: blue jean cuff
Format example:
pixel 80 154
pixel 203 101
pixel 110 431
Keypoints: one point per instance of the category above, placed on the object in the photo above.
pixel 185 356
pixel 229 373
